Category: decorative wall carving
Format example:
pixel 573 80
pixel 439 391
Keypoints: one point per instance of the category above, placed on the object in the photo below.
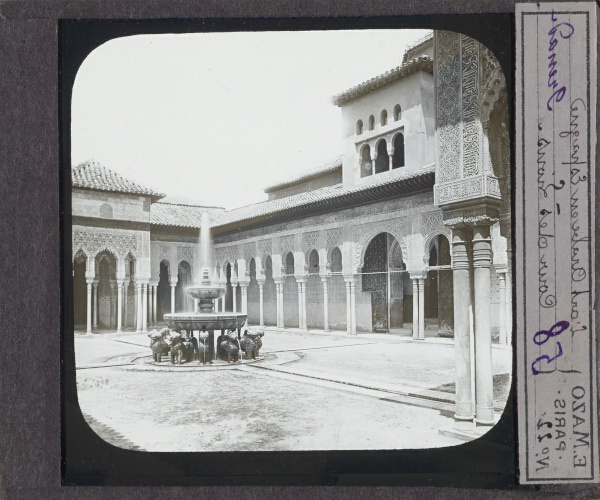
pixel 460 190
pixel 119 244
pixel 470 129
pixel 249 251
pixel 185 253
pixel 449 110
pixel 286 244
pixel 265 248
pixel 432 222
pixel 310 241
pixel 334 238
pixel 226 254
pixel 164 253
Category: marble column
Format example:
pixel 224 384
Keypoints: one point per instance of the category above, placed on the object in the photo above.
pixel 154 302
pixel 244 298
pixel 353 306
pixel 145 308
pixel 421 309
pixel 96 303
pixel 325 304
pixel 278 303
pixel 502 307
pixel 234 288
pixel 484 384
pixel 348 308
pixel 304 317
pixel 300 322
pixel 125 305
pixel 415 297
pixel 508 309
pixel 462 348
pixel 139 311
pixel 119 305
pixel 261 303
pixel 89 306
pixel 173 297
pixel 113 309
pixel 135 305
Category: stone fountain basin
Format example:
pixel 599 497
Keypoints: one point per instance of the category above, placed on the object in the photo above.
pixel 205 321
pixel 206 293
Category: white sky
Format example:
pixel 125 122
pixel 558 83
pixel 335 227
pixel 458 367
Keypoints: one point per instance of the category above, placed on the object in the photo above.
pixel 216 117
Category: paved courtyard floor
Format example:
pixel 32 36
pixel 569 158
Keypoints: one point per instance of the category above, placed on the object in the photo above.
pixel 312 391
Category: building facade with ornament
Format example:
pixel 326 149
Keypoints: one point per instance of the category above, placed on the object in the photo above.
pixel 406 232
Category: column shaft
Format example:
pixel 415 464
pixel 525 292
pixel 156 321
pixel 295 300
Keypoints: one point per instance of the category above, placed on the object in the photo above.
pixel 261 304
pixel 145 308
pixel 135 306
pixel 140 307
pixel 96 304
pixel 173 298
pixel 462 348
pixel 421 309
pixel 348 309
pixel 415 297
pixel 154 300
pixel 353 306
pixel 281 303
pixel 125 306
pixel 119 305
pixel 502 308
pixel 325 305
pixel 484 384
pixel 89 308
pixel 234 288
pixel 300 308
pixel 304 318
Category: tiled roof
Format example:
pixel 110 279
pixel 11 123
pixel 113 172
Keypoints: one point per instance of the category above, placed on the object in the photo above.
pixel 91 175
pixel 421 63
pixel 269 208
pixel 169 212
pixel 307 175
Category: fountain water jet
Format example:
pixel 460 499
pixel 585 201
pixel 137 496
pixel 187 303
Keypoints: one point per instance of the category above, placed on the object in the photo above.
pixel 204 319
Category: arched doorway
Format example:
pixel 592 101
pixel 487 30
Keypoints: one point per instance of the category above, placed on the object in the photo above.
pixel 163 291
pixel 290 294
pixel 314 293
pixel 439 299
pixel 383 276
pixel 337 292
pixel 253 296
pixel 228 288
pixel 79 291
pixel 184 279
pixel 106 265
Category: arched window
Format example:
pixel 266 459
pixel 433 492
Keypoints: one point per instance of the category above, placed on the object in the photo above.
pixel 313 262
pixel 289 263
pixel 359 127
pixel 382 163
pixel 397 112
pixel 371 122
pixel 336 260
pixel 106 211
pixel 398 158
pixel 384 118
pixel 366 167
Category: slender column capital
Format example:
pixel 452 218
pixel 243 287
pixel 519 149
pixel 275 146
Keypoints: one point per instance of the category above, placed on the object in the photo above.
pixel 482 246
pixel 418 274
pixel 89 282
pixel 460 248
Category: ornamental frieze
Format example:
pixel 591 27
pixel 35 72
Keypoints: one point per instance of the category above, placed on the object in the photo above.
pixel 93 242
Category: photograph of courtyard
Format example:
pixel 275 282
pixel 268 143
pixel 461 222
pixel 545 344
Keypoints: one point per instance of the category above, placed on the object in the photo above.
pixel 264 261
